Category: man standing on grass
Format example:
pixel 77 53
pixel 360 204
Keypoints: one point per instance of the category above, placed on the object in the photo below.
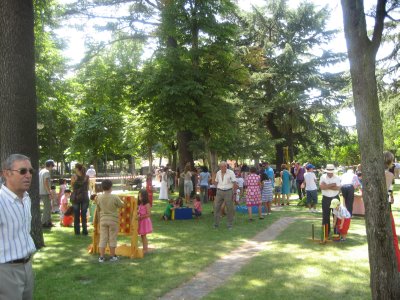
pixel 349 182
pixel 225 181
pixel 330 187
pixel 16 244
pixel 45 192
pixel 91 172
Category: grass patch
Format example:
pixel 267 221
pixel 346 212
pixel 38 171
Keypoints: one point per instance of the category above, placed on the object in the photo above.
pixel 291 267
pixel 294 267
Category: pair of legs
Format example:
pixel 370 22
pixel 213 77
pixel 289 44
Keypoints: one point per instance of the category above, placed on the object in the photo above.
pixel 283 199
pixel 204 193
pixel 348 195
pixel 145 243
pixel 108 233
pixel 16 281
pixel 220 198
pixel 326 211
pixel 300 191
pixel 188 188
pixel 267 206
pixel 80 213
pixel 312 199
pixel 250 211
pixel 46 216
pixel 277 198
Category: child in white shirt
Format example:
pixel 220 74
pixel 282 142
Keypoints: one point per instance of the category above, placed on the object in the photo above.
pixel 341 218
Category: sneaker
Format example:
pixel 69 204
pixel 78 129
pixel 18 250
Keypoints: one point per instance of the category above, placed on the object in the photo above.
pixel 101 259
pixel 114 258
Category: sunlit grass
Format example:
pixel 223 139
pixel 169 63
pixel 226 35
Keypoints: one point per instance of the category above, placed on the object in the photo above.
pixel 291 266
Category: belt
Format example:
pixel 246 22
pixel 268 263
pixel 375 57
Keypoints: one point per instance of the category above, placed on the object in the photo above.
pixel 225 190
pixel 20 261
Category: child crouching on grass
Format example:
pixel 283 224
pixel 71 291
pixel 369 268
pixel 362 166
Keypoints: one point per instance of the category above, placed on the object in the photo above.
pixel 64 200
pixel 68 217
pixel 145 224
pixel 341 218
pixel 168 210
pixel 197 208
pixel 107 205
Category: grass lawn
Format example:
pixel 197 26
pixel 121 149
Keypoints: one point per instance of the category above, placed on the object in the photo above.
pixel 292 266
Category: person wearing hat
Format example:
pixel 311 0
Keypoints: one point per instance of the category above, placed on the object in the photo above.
pixel 330 188
pixel 341 218
pixel 91 172
pixel 45 192
pixel 310 184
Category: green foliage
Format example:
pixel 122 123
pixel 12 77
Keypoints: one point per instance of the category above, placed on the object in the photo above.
pixel 288 92
pixel 105 89
pixel 52 89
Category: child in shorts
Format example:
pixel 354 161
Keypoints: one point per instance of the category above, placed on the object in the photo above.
pixel 341 218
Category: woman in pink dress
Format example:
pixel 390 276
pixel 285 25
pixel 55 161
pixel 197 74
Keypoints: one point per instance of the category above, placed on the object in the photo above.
pixel 144 213
pixel 253 193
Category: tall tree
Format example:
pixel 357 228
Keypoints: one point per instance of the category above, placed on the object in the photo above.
pixel 17 97
pixel 283 49
pixel 362 50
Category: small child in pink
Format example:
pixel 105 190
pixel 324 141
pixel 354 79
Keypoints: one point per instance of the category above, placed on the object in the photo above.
pixel 197 208
pixel 144 213
pixel 64 204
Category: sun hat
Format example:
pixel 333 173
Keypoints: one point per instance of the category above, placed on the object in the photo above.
pixel 334 203
pixel 310 166
pixel 330 168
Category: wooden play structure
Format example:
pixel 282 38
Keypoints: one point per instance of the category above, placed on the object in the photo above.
pixel 128 225
pixel 324 234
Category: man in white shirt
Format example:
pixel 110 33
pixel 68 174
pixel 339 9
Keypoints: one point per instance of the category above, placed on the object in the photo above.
pixel 330 187
pixel 91 172
pixel 225 181
pixel 45 192
pixel 16 244
pixel 310 183
pixel 349 182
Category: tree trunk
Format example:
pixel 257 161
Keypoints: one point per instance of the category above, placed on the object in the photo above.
pixel 18 122
pixel 279 159
pixel 150 156
pixel 385 279
pixel 132 165
pixel 185 154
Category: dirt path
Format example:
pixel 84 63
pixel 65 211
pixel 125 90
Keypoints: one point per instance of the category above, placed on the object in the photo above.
pixel 220 271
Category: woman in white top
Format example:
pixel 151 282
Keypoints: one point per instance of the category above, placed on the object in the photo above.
pixel 164 185
pixel 187 183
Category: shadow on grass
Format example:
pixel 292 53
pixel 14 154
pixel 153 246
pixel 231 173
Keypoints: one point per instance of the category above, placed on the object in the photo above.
pixel 65 270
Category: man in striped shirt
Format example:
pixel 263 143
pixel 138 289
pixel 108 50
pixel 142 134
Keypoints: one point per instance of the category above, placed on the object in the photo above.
pixel 16 244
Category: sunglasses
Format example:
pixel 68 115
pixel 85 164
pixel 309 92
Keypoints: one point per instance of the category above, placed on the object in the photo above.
pixel 24 171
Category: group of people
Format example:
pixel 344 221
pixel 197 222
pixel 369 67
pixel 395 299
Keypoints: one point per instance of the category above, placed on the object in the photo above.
pixel 17 246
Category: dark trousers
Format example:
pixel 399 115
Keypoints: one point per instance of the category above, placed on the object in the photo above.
pixel 326 211
pixel 348 195
pixel 204 193
pixel 80 213
pixel 301 192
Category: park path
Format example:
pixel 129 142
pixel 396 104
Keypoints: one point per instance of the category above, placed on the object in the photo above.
pixel 220 271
